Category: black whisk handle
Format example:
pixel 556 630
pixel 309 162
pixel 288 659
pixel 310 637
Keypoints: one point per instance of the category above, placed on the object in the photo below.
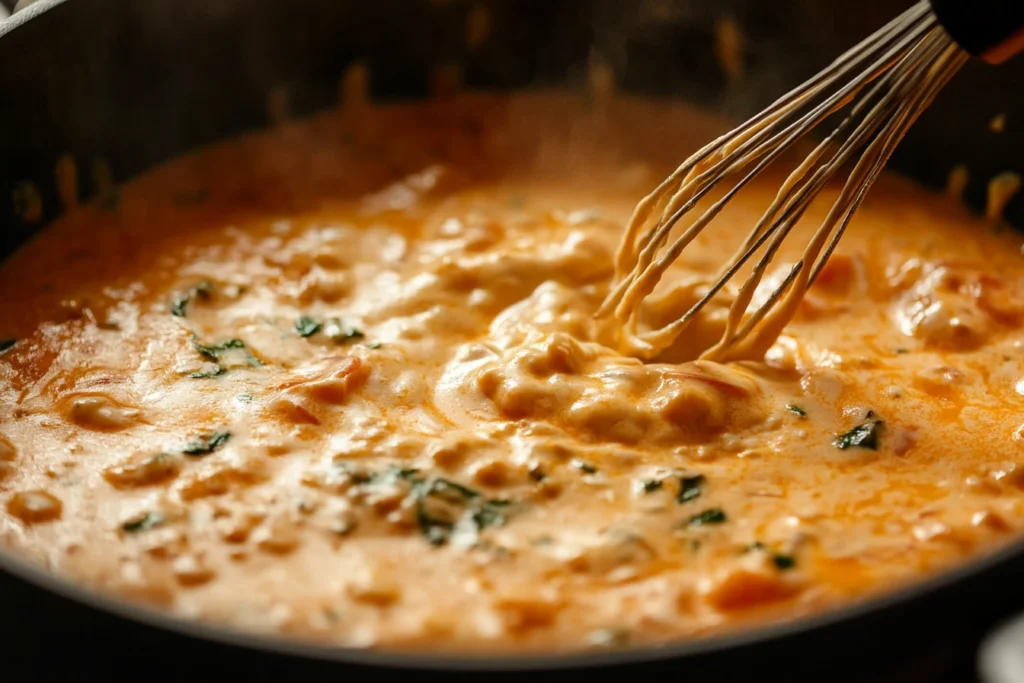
pixel 992 30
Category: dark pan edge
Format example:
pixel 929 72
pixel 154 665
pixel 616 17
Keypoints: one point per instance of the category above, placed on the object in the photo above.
pixel 974 571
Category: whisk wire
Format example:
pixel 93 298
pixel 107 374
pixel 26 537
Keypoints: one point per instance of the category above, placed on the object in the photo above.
pixel 865 173
pixel 858 185
pixel 889 79
pixel 736 151
pixel 861 53
pixel 892 87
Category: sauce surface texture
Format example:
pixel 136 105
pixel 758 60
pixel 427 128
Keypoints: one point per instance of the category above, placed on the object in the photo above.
pixel 342 380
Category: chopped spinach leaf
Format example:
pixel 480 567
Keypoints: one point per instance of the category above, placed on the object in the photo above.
pixel 205 445
pixel 489 514
pixel 337 331
pixel 796 410
pixel 783 562
pixel 443 507
pixel 361 477
pixel 436 531
pixel 862 436
pixel 6 344
pixel 441 504
pixel 689 488
pixel 583 466
pixel 146 521
pixel 397 472
pixel 307 327
pixel 444 485
pixel 213 352
pixel 217 371
pixel 711 516
pixel 201 290
pixel 648 485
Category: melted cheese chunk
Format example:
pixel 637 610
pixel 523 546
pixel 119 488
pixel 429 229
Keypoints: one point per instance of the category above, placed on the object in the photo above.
pixel 351 388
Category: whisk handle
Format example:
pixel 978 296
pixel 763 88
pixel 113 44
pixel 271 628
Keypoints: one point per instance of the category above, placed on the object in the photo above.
pixel 992 30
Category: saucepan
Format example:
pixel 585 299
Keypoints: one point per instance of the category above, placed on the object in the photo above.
pixel 123 85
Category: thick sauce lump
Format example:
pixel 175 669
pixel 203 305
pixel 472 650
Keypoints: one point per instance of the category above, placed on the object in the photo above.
pixel 343 380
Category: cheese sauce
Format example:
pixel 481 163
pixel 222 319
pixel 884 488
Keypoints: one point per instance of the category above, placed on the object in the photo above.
pixel 343 380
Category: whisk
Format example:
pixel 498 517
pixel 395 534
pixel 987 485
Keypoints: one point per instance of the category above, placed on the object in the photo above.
pixel 883 84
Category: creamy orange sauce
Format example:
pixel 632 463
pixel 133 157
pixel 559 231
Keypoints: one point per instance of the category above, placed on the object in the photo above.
pixel 343 380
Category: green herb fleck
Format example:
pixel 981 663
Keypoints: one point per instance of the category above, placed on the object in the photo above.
pixel 6 344
pixel 307 327
pixel 213 352
pixel 205 445
pixel 244 398
pixel 862 436
pixel 374 345
pixel 201 290
pixel 440 503
pixel 648 485
pixel 442 506
pixel 146 521
pixel 796 410
pixel 583 466
pixel 360 477
pixel 689 488
pixel 902 351
pixel 783 562
pixel 217 371
pixel 489 514
pixel 445 485
pixel 404 473
pixel 337 331
pixel 711 516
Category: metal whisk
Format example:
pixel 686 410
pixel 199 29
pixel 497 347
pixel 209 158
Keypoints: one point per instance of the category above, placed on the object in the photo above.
pixel 885 83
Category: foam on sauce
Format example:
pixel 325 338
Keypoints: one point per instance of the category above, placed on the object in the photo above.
pixel 350 387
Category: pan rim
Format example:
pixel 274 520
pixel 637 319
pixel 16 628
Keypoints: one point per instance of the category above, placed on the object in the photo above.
pixel 396 659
